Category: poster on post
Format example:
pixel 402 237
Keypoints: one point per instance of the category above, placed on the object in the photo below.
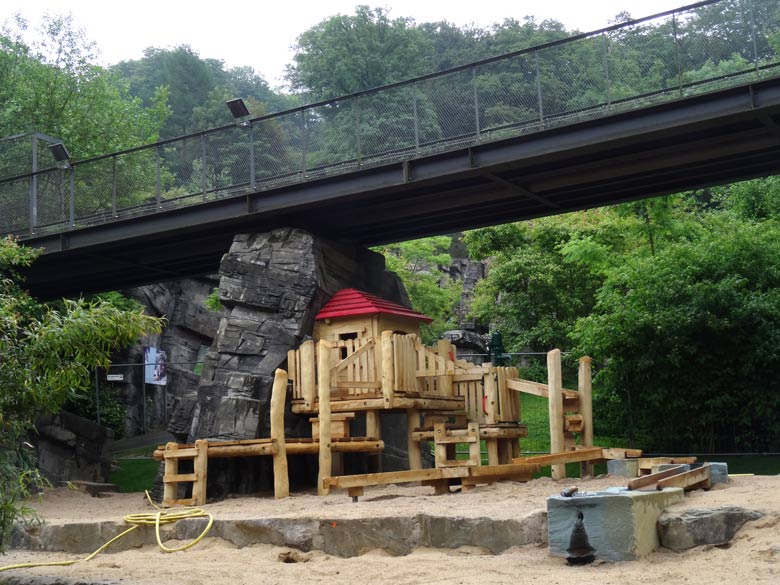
pixel 155 366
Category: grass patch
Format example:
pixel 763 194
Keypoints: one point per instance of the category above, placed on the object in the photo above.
pixel 134 474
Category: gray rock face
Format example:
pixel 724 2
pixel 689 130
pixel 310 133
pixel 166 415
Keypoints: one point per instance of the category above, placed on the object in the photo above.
pixel 72 448
pixel 189 332
pixel 698 526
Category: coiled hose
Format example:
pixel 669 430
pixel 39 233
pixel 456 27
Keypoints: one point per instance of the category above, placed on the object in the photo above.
pixel 157 519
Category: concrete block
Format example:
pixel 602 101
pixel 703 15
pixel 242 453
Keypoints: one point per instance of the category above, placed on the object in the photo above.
pixel 621 525
pixel 623 467
pixel 719 472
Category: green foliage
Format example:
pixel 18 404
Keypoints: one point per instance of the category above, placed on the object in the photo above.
pixel 197 88
pixel 212 301
pixel 113 412
pixel 348 53
pixel 689 341
pixel 54 86
pixel 419 263
pixel 47 354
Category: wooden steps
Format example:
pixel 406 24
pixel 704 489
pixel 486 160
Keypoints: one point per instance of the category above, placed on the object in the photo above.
pixel 172 455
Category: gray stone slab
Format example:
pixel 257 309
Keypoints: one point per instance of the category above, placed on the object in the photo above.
pixel 620 525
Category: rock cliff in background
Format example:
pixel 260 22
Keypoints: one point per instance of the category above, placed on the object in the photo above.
pixel 189 332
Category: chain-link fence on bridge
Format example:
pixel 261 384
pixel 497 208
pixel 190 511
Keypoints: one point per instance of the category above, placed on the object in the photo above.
pixel 707 46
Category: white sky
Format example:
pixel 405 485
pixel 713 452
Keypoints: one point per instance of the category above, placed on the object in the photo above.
pixel 261 33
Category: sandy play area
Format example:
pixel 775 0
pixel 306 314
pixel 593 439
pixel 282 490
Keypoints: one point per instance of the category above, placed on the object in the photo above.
pixel 752 557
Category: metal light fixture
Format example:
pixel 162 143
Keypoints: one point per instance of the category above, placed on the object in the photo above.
pixel 239 111
pixel 60 154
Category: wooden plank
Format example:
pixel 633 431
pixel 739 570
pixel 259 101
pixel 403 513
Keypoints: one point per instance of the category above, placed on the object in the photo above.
pixel 470 377
pixel 504 397
pixel 278 396
pixel 353 358
pixel 171 489
pixel 555 404
pixel 490 389
pixel 492 451
pixel 388 477
pixel 201 463
pixel 323 389
pixel 415 453
pixel 251 450
pixel 616 453
pixel 370 384
pixel 514 432
pixel 503 470
pixel 647 463
pixel 589 454
pixel 177 453
pixel 179 477
pixel 373 428
pixel 689 480
pixel 528 387
pixel 652 478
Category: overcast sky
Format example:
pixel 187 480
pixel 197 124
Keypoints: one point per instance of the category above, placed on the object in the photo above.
pixel 261 33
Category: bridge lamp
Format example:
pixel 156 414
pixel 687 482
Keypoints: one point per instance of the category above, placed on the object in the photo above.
pixel 60 154
pixel 239 111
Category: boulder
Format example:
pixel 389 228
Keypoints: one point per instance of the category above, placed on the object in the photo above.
pixel 697 526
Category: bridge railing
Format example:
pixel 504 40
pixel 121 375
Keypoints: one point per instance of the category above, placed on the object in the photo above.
pixel 699 48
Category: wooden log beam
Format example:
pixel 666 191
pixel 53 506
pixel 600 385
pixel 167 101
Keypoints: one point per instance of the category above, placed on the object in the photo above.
pixel 323 389
pixel 652 478
pixel 281 474
pixel 578 456
pixel 555 404
pixel 699 478
pixel 388 477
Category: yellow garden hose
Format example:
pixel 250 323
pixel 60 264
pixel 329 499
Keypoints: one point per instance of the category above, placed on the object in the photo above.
pixel 158 518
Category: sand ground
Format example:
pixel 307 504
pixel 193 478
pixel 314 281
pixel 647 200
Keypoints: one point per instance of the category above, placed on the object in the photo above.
pixel 752 557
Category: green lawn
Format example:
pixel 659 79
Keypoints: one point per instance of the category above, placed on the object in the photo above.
pixel 134 474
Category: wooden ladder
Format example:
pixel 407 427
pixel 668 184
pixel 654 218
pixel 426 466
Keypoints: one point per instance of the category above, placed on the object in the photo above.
pixel 172 478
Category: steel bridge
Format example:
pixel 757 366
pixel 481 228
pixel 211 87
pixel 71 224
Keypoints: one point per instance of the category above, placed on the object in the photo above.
pixel 676 101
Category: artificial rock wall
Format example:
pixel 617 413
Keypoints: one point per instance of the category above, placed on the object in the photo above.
pixel 271 286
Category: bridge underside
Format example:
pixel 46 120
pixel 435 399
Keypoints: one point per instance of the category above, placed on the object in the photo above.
pixel 691 143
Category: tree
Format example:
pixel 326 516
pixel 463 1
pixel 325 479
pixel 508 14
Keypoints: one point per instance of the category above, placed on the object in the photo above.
pixel 47 356
pixel 688 341
pixel 418 263
pixel 348 53
pixel 54 86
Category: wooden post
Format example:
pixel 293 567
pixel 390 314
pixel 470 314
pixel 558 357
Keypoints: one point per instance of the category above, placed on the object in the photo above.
pixel 278 395
pixel 491 393
pixel 323 372
pixel 585 389
pixel 555 400
pixel 492 451
pixel 308 381
pixel 201 465
pixel 373 431
pixel 444 381
pixel 171 490
pixel 415 454
pixel 388 375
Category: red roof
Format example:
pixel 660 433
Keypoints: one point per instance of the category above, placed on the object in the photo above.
pixel 349 302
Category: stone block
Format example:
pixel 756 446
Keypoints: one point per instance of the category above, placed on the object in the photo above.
pixel 623 467
pixel 621 525
pixel 719 472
